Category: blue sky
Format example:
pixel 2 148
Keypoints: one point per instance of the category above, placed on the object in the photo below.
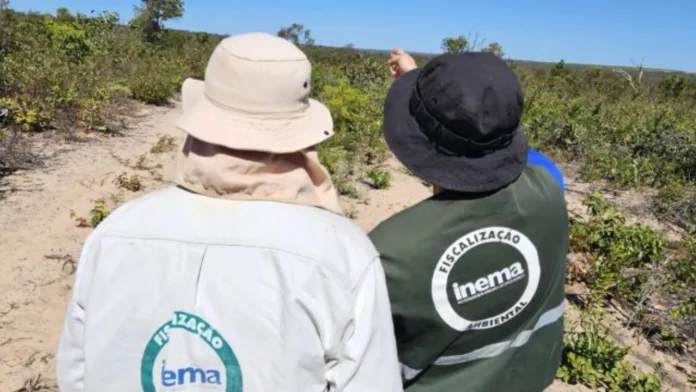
pixel 589 31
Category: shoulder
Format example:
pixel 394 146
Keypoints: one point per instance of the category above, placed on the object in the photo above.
pixel 137 211
pixel 115 218
pixel 404 227
pixel 315 227
pixel 538 159
pixel 350 250
pixel 404 217
pixel 122 213
pixel 330 240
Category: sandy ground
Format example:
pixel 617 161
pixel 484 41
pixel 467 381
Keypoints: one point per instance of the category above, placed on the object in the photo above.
pixel 40 239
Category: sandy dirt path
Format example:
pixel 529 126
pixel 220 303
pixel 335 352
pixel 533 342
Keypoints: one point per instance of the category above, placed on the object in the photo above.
pixel 40 240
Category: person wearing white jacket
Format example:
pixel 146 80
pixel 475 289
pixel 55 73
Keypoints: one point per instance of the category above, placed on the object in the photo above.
pixel 244 276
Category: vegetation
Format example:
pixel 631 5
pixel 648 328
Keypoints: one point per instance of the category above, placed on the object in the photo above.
pixel 164 144
pixel 467 44
pixel 132 183
pixel 378 178
pixel 150 16
pixel 592 358
pixel 98 213
pixel 297 34
pixel 74 74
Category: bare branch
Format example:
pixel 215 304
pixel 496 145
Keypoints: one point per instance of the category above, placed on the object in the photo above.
pixel 639 66
pixel 637 82
pixel 628 78
pixel 476 43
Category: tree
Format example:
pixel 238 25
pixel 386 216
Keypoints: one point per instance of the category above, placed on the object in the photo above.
pixel 462 44
pixel 6 31
pixel 297 34
pixel 151 15
pixel 455 44
pixel 64 15
pixel 494 48
pixel 560 70
pixel 635 83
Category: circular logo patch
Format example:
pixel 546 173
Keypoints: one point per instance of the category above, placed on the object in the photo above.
pixel 448 294
pixel 190 375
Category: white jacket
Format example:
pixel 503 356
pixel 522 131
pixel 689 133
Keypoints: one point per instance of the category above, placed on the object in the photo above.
pixel 176 291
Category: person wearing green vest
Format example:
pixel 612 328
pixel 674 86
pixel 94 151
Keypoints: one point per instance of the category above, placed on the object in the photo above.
pixel 476 272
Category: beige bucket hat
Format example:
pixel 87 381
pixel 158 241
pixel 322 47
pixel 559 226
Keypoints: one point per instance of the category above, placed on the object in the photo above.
pixel 255 97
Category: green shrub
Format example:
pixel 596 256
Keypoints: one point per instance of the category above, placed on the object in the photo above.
pixel 624 255
pixel 98 213
pixel 676 204
pixel 591 358
pixel 57 75
pixel 357 123
pixel 157 82
pixel 379 178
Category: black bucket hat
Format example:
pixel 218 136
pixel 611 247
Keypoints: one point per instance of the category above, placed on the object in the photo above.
pixel 456 122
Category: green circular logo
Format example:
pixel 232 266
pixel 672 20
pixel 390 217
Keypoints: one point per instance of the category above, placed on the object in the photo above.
pixel 199 327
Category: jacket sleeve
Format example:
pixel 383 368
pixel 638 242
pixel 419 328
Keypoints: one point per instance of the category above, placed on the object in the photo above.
pixel 369 361
pixel 70 357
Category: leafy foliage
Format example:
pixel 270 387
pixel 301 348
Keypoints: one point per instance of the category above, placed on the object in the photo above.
pixel 357 120
pixel 150 15
pixel 636 267
pixel 592 358
pixel 623 255
pixel 98 213
pixel 463 43
pixel 379 178
pixel 297 34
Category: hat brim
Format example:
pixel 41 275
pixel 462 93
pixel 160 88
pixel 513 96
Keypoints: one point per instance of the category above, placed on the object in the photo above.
pixel 277 133
pixel 457 173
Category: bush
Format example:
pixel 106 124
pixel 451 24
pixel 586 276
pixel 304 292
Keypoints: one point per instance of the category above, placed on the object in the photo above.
pixel 157 81
pixel 634 266
pixel 358 125
pixel 624 256
pixel 591 358
pixel 379 178
pixel 58 76
pixel 15 151
pixel 151 90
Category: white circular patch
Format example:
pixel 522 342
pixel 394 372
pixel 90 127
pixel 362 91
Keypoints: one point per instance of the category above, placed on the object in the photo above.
pixel 458 249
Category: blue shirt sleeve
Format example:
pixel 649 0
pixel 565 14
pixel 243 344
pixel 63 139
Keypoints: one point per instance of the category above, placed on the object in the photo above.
pixel 537 158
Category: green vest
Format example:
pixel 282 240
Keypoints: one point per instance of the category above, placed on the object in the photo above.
pixel 477 287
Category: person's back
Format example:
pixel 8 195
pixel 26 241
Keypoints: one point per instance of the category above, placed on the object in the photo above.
pixel 245 276
pixel 475 273
pixel 267 287
pixel 485 275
